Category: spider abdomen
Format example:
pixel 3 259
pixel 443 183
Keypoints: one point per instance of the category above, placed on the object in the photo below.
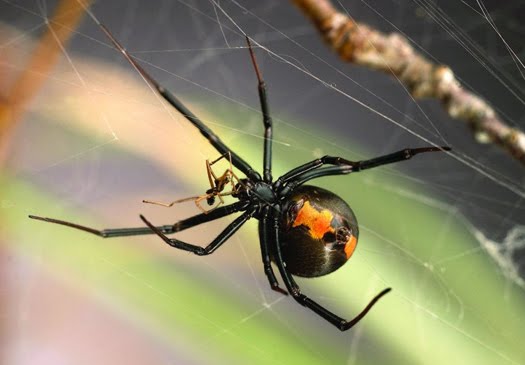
pixel 319 232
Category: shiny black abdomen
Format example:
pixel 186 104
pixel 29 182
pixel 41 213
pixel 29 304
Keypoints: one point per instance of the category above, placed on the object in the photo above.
pixel 319 232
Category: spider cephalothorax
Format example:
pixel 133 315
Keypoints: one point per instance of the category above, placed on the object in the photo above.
pixel 305 230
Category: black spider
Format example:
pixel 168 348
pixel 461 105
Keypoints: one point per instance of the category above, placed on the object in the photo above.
pixel 305 230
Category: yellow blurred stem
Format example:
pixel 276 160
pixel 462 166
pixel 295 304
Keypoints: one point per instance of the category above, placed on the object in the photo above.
pixel 60 27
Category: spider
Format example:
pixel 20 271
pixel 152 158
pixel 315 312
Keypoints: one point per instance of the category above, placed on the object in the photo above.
pixel 217 185
pixel 305 230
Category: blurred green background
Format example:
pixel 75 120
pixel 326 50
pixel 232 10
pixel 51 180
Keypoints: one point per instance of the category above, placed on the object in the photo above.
pixel 96 141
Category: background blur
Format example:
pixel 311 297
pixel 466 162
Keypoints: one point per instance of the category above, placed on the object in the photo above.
pixel 446 232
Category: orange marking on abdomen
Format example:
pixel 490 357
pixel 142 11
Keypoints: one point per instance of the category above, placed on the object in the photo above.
pixel 350 246
pixel 319 223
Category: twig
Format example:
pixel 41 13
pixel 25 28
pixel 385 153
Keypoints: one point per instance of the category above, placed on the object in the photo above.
pixel 66 17
pixel 392 53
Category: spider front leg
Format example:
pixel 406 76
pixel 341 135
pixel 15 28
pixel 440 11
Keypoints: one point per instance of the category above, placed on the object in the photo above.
pixel 267 119
pixel 341 166
pixel 302 299
pixel 166 229
pixel 216 243
pixel 212 138
pixel 169 205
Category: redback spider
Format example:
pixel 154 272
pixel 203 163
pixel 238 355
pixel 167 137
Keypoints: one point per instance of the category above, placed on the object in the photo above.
pixel 305 230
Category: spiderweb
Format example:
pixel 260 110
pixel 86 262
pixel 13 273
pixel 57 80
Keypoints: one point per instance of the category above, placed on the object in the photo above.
pixel 445 231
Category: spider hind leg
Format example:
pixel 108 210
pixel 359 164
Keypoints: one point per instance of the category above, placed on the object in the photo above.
pixel 165 229
pixel 302 299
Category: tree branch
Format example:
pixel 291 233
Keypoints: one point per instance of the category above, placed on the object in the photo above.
pixel 392 53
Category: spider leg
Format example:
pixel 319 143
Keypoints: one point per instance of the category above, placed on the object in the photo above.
pixel 216 243
pixel 265 252
pixel 198 203
pixel 402 155
pixel 214 140
pixel 234 177
pixel 309 166
pixel 209 172
pixel 313 169
pixel 302 299
pixel 267 119
pixel 169 205
pixel 166 229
